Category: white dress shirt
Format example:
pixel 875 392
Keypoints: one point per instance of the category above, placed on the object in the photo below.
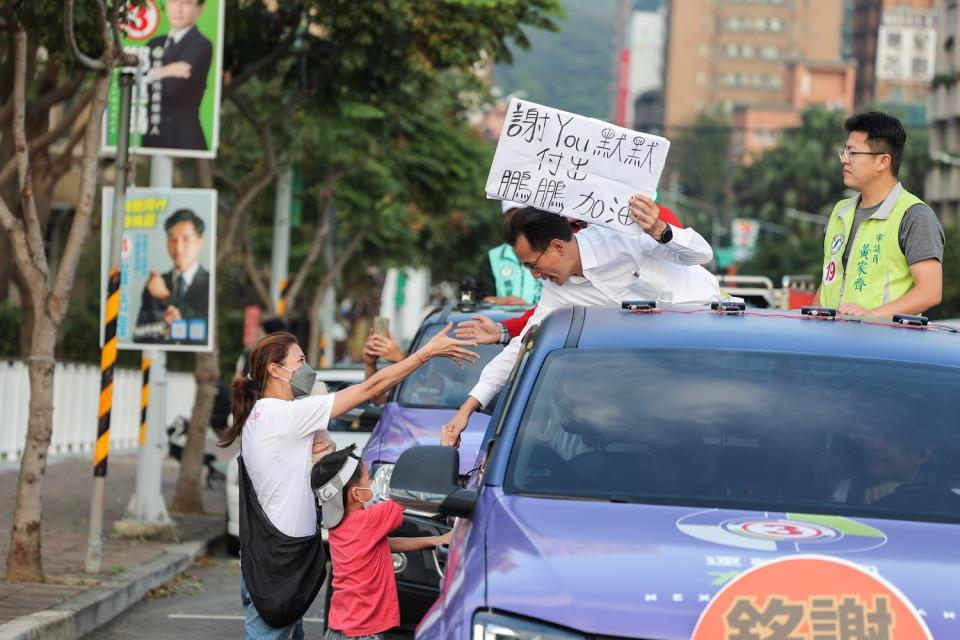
pixel 616 267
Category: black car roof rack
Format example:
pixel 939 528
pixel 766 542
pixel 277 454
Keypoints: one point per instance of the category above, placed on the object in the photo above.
pixel 731 307
pixel 819 312
pixel 913 321
pixel 638 305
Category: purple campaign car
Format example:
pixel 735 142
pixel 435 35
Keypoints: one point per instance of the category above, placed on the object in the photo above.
pixel 643 466
pixel 413 415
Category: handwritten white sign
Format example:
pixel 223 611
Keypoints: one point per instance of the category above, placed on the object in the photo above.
pixel 579 167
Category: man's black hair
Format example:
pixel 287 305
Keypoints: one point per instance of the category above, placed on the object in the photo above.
pixel 885 134
pixel 538 227
pixel 330 465
pixel 184 215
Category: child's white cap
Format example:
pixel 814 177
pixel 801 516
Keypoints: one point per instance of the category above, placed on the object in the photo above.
pixel 330 495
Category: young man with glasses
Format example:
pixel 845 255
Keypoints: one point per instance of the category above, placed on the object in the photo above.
pixel 595 267
pixel 883 248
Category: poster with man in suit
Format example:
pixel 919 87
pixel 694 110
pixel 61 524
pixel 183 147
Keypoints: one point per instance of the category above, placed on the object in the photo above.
pixel 176 101
pixel 166 268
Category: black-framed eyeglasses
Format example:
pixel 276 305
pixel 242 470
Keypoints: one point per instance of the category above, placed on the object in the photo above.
pixel 846 155
pixel 533 267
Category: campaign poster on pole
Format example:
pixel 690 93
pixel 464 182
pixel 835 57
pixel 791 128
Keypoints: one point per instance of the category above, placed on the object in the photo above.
pixel 167 268
pixel 176 99
pixel 579 167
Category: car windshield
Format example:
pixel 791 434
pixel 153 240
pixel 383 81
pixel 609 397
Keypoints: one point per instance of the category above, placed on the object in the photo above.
pixel 440 383
pixel 743 430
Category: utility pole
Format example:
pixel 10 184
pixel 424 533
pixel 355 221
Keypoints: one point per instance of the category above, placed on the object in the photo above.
pixel 280 256
pixel 328 310
pixel 146 514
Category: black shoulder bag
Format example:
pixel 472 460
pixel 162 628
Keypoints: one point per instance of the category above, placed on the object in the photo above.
pixel 283 574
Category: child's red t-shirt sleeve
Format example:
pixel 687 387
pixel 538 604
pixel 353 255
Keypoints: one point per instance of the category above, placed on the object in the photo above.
pixel 382 518
pixel 515 325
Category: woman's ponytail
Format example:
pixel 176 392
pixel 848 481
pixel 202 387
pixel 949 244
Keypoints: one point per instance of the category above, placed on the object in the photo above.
pixel 243 395
pixel 247 390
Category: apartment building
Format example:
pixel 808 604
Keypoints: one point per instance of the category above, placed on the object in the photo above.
pixel 942 187
pixel 894 43
pixel 724 55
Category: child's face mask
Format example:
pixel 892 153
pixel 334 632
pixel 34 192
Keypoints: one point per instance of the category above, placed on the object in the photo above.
pixel 366 503
pixel 301 383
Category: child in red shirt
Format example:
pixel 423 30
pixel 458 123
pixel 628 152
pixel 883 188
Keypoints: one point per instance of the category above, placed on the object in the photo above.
pixel 364 603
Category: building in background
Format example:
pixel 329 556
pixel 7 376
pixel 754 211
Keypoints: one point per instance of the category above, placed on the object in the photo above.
pixel 763 60
pixel 757 127
pixel 942 188
pixel 894 43
pixel 646 41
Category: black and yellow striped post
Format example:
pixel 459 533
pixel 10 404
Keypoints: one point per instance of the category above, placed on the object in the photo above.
pixel 101 450
pixel 108 358
pixel 144 397
pixel 108 353
pixel 282 302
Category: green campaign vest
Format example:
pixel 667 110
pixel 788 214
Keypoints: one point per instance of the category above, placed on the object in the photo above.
pixel 877 271
pixel 512 278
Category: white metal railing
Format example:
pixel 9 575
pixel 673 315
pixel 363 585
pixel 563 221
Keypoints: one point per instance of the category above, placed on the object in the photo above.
pixel 76 396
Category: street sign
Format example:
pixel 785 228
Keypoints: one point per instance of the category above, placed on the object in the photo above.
pixel 176 105
pixel 744 234
pixel 167 268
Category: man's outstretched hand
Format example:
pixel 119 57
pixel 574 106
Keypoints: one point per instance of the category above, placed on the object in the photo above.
pixel 479 329
pixel 450 433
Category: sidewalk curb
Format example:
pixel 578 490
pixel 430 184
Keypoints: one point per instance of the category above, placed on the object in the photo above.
pixel 95 607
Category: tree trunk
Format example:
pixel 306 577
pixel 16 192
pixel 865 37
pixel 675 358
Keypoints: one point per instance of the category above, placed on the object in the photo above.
pixel 188 498
pixel 23 560
pixel 6 267
pixel 27 314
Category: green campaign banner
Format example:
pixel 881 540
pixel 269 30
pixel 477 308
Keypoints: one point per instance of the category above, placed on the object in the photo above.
pixel 176 98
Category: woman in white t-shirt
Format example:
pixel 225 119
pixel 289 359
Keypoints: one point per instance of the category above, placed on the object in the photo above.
pixel 278 421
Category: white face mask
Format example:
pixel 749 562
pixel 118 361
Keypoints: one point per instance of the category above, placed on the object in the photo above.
pixel 367 503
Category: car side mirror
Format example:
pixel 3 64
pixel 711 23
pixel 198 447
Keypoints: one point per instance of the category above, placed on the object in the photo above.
pixel 426 479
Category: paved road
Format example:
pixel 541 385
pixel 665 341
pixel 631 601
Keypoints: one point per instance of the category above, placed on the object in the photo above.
pixel 204 602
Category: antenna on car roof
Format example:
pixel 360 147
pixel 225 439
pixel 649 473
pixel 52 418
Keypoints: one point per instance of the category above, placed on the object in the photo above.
pixel 468 288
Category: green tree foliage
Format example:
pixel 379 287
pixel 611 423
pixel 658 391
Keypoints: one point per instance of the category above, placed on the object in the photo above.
pixel 381 92
pixel 950 307
pixel 701 160
pixel 803 172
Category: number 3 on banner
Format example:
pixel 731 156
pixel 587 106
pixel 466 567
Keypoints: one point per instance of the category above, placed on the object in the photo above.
pixel 142 21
